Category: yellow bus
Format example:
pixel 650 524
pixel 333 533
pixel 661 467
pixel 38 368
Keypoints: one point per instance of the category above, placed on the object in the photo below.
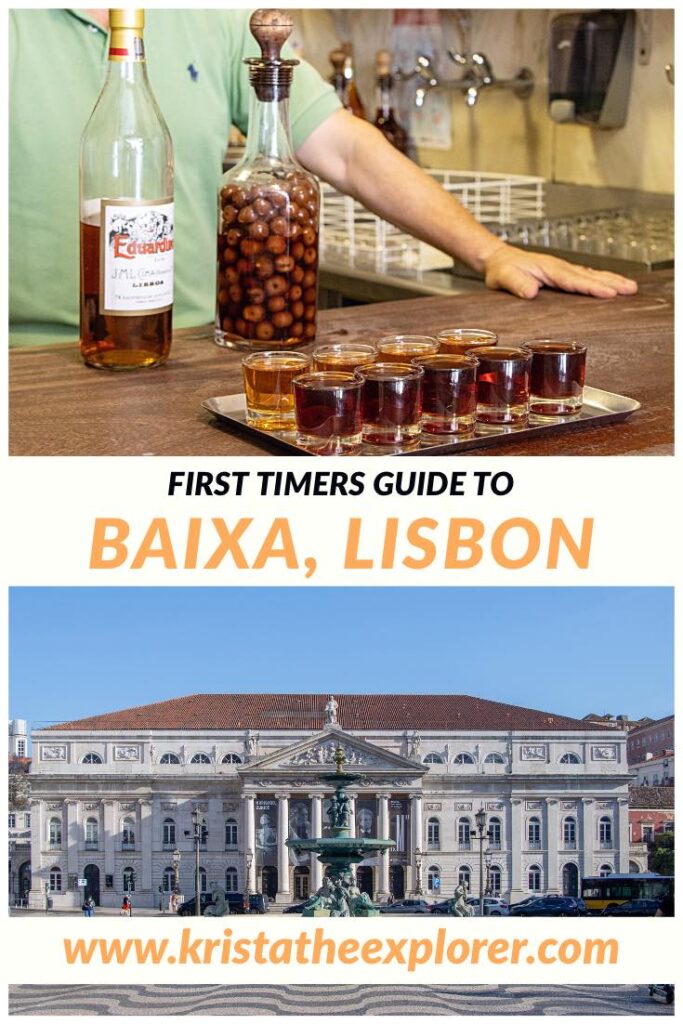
pixel 599 892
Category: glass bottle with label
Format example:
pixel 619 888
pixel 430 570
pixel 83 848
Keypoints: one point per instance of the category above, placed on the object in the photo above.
pixel 268 215
pixel 126 213
pixel 385 118
pixel 337 59
pixel 353 101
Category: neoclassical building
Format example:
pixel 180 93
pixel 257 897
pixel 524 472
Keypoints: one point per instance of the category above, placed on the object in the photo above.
pixel 112 796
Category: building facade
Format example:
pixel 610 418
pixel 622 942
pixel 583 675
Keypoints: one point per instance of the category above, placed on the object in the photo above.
pixel 653 739
pixel 19 814
pixel 112 797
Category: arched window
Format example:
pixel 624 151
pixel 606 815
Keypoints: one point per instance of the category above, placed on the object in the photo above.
pixel 570 759
pixel 496 880
pixel 569 833
pixel 534 833
pixel 55 879
pixel 168 880
pixel 432 759
pixel 231 832
pixel 433 834
pixel 494 759
pixel 169 759
pixel 201 759
pixel 91 833
pixel 605 870
pixel 464 834
pixel 434 879
pixel 463 759
pixel 534 878
pixel 203 882
pixel 128 833
pixel 231 879
pixel 465 876
pixel 169 832
pixel 55 832
pixel 232 759
pixel 495 833
pixel 128 880
pixel 605 832
pixel 91 759
pixel 633 868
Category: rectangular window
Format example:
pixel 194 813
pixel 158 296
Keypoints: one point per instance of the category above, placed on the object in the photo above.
pixel 12 821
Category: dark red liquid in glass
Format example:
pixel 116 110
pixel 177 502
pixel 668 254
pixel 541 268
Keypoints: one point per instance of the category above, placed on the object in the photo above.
pixel 328 412
pixel 390 406
pixel 503 378
pixel 557 373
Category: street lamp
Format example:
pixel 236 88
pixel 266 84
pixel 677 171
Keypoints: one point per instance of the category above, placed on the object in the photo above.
pixel 199 832
pixel 175 861
pixel 482 834
pixel 249 860
pixel 418 870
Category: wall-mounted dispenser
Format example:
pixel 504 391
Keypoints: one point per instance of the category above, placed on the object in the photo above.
pixel 591 60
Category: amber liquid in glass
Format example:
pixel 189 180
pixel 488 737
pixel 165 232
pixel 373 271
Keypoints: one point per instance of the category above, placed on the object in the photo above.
pixel 116 342
pixel 328 416
pixel 345 361
pixel 270 393
pixel 460 346
pixel 502 387
pixel 405 352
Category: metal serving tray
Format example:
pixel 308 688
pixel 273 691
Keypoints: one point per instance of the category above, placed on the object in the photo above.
pixel 599 408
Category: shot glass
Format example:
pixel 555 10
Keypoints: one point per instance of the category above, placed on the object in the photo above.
pixel 503 386
pixel 391 403
pixel 556 379
pixel 403 348
pixel 449 393
pixel 268 387
pixel 465 339
pixel 328 413
pixel 343 356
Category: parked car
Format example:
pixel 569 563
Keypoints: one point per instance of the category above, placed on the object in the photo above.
pixel 634 908
pixel 238 902
pixel 406 907
pixel 493 906
pixel 550 906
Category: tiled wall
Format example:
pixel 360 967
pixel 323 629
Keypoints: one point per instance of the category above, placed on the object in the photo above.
pixel 503 133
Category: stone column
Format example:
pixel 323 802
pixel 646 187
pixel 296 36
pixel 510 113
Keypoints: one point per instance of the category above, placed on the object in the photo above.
pixel 250 840
pixel 39 839
pixel 146 851
pixel 552 846
pixel 284 890
pixel 72 837
pixel 383 830
pixel 622 838
pixel 110 833
pixel 587 839
pixel 516 839
pixel 415 839
pixel 317 828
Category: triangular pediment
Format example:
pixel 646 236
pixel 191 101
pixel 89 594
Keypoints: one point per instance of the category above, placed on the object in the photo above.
pixel 316 753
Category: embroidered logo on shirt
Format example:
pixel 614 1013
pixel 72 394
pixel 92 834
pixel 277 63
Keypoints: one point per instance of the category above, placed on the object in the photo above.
pixel 194 74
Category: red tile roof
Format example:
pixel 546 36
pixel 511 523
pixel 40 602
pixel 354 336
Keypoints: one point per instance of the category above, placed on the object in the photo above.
pixel 453 712
pixel 651 798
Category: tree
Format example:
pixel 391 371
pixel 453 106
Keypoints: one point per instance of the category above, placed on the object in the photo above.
pixel 662 854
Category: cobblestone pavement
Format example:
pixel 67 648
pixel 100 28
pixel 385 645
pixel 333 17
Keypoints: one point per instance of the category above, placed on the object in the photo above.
pixel 340 1000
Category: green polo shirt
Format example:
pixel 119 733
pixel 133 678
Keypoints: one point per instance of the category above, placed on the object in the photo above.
pixel 58 62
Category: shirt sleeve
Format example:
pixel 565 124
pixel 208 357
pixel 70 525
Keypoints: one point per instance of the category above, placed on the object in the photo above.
pixel 312 99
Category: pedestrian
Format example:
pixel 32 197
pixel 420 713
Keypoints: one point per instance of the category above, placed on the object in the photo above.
pixel 90 903
pixel 126 907
pixel 173 902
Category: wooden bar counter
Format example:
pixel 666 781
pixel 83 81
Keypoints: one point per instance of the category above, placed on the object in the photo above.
pixel 60 407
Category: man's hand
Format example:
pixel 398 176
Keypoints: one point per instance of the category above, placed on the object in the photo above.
pixel 525 273
pixel 354 157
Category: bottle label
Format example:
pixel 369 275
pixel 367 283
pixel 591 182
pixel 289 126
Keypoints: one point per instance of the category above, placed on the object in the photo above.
pixel 126 44
pixel 136 259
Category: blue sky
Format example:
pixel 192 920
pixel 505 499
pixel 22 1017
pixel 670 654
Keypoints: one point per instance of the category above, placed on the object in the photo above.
pixel 82 651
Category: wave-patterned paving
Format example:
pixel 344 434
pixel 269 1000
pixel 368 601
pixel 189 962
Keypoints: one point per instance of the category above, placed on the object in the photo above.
pixel 336 1000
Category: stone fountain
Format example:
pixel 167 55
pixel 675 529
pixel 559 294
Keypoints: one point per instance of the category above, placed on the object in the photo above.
pixel 339 896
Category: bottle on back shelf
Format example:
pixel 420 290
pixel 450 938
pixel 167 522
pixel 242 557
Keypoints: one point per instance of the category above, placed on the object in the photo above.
pixel 337 59
pixel 353 100
pixel 126 213
pixel 385 118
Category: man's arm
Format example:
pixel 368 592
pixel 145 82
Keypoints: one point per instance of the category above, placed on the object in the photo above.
pixel 356 158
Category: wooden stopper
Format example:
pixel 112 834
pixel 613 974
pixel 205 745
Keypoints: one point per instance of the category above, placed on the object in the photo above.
pixel 383 62
pixel 271 29
pixel 337 58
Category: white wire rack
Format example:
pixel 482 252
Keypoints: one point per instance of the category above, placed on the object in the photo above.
pixel 352 232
